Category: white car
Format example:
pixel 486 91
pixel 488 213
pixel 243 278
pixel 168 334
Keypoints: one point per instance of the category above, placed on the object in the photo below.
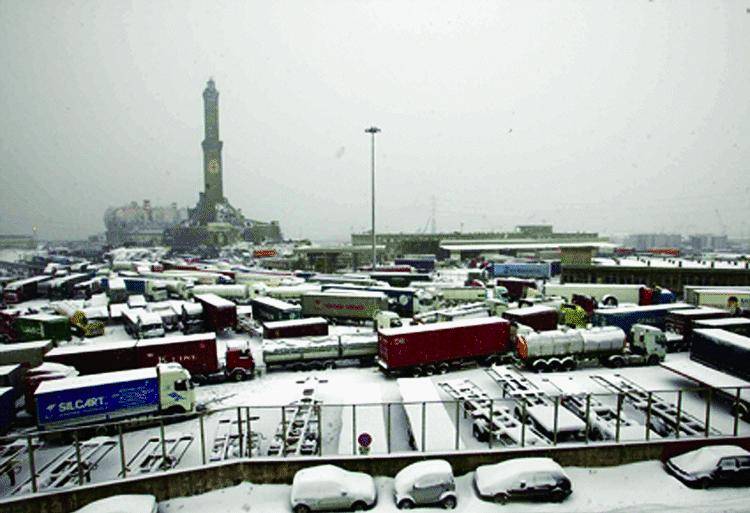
pixel 122 504
pixel 425 483
pixel 539 479
pixel 327 487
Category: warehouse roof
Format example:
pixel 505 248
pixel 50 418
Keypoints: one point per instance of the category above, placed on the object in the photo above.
pixel 496 246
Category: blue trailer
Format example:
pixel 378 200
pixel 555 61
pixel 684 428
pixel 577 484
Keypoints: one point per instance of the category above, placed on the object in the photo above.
pixel 422 265
pixel 539 270
pixel 113 395
pixel 625 317
pixel 7 408
pixel 135 285
pixel 400 299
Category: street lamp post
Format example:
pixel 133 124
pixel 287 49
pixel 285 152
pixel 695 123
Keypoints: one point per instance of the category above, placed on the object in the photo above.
pixel 372 131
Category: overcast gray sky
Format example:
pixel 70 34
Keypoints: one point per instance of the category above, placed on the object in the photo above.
pixel 611 116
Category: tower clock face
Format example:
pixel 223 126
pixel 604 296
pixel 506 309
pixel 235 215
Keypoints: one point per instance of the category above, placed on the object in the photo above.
pixel 213 166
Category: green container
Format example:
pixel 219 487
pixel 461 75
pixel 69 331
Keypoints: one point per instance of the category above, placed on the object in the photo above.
pixel 42 327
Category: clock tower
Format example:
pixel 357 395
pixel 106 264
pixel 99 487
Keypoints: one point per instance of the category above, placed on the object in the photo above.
pixel 212 166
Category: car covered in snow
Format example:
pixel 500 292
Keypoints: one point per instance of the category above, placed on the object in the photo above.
pixel 425 483
pixel 712 466
pixel 538 479
pixel 327 488
pixel 122 504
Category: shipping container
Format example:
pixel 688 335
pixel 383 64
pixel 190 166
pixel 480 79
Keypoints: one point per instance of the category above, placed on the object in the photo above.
pixel 422 265
pixel 96 358
pixel 344 305
pixel 625 317
pixel 722 350
pixel 268 309
pixel 29 354
pixel 23 290
pixel 429 348
pixel 42 327
pixel 539 270
pixel 113 396
pixel 400 299
pixel 311 326
pixel 516 287
pixel 218 313
pixel 538 317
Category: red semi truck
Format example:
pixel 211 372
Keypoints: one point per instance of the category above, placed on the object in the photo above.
pixel 218 313
pixel 429 348
pixel 197 353
pixel 23 290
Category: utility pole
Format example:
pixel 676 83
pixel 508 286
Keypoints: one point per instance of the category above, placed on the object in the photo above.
pixel 372 131
pixel 434 223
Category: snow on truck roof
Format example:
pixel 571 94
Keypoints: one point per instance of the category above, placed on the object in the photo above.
pixel 439 326
pixel 726 321
pixel 728 337
pixel 294 322
pixel 177 339
pixel 214 300
pixel 91 348
pixel 347 293
pixel 95 380
pixel 647 308
pixel 530 310
pixel 276 303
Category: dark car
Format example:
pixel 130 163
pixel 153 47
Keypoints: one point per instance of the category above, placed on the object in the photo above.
pixel 717 465
pixel 537 479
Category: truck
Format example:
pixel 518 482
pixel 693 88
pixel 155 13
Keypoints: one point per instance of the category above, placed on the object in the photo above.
pixel 681 321
pixel 268 309
pixel 538 270
pixel 422 265
pixel 64 287
pixel 723 298
pixel 142 324
pixel 538 317
pixel 552 351
pixel 239 293
pixel 86 289
pixel 739 325
pixel 429 348
pixel 612 294
pixel 516 287
pixel 116 291
pixel 319 352
pixel 720 360
pixel 23 290
pixel 197 353
pixel 218 313
pixel 154 290
pixel 41 327
pixel 400 299
pixel 311 326
pixel 625 317
pixel 111 396
pixel 344 305
pixel 396 279
pixel 191 318
pixel 456 295
pixel 169 317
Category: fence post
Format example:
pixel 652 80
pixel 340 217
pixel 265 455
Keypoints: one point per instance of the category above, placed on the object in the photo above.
pixel 354 429
pixel 736 427
pixel 240 437
pixel 619 416
pixel 424 420
pixel 123 463
pixel 79 468
pixel 557 411
pixel 388 428
pixel 492 423
pixel 709 397
pixel 523 422
pixel 588 416
pixel 283 429
pixel 249 433
pixel 648 416
pixel 320 428
pixel 678 420
pixel 203 437
pixel 163 445
pixel 32 465
pixel 458 424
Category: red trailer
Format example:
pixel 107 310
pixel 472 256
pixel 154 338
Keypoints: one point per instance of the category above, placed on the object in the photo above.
pixel 681 321
pixel 311 326
pixel 198 354
pixel 218 313
pixel 23 290
pixel 516 287
pixel 96 358
pixel 429 348
pixel 538 317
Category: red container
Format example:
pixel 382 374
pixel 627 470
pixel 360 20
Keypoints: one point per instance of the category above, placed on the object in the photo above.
pixel 516 286
pixel 412 346
pixel 196 353
pixel 218 313
pixel 96 358
pixel 312 326
pixel 538 317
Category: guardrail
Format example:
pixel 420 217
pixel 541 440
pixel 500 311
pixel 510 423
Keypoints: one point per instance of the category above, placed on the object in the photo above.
pixel 36 462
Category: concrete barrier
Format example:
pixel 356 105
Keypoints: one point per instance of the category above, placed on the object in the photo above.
pixel 181 483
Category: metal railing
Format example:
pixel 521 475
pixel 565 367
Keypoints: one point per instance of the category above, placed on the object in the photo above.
pixel 36 461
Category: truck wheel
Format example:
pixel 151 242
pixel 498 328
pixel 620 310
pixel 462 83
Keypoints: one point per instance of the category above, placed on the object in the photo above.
pixel 449 502
pixel 417 372
pixel 238 375
pixel 569 364
pixel 653 360
pixel 429 370
pixel 443 368
pixel 616 362
pixel 539 366
pixel 554 365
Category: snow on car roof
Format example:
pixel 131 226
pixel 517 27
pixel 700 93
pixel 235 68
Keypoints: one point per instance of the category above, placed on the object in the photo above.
pixel 96 379
pixel 121 504
pixel 705 459
pixel 499 474
pixel 407 475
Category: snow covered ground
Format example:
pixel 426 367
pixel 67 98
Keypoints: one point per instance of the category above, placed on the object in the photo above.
pixel 637 488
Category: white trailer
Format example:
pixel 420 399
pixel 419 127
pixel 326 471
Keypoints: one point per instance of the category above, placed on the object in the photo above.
pixel 607 293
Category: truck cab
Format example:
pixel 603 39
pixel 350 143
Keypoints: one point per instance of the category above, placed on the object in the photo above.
pixel 387 319
pixel 239 364
pixel 149 325
pixel 176 393
pixel 648 342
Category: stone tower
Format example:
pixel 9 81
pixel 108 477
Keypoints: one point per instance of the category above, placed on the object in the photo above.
pixel 212 166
